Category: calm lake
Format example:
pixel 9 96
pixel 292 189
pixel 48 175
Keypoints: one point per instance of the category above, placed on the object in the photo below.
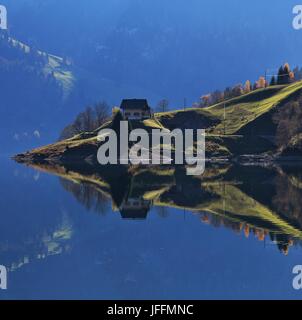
pixel 235 232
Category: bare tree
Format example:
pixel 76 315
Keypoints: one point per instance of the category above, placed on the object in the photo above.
pixel 89 120
pixel 101 112
pixel 289 121
pixel 163 105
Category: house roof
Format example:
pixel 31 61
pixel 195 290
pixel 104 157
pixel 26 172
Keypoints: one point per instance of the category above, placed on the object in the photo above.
pixel 134 214
pixel 133 104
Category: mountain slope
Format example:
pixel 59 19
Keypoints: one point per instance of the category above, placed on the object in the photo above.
pixel 40 91
pixel 238 112
pixel 35 88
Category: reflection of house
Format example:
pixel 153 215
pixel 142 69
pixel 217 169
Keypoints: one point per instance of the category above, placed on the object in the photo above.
pixel 135 109
pixel 135 208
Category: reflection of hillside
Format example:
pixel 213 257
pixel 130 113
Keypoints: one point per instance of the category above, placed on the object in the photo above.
pixel 236 210
pixel 277 189
pixel 239 206
pixel 288 198
pixel 249 200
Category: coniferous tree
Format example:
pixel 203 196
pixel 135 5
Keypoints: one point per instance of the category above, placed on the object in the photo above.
pixel 280 75
pixel 163 105
pixel 255 86
pixel 273 81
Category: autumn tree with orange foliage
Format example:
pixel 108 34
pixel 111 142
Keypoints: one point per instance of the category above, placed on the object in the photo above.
pixel 261 83
pixel 247 86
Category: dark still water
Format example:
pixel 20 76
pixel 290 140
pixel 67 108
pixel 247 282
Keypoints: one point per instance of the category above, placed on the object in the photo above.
pixel 151 234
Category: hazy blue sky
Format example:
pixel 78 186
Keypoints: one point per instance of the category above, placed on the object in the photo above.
pixel 160 48
pixel 219 35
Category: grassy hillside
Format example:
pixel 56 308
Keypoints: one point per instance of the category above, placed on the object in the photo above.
pixel 233 115
pixel 243 125
pixel 241 111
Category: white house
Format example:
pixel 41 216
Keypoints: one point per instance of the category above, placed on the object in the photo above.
pixel 135 109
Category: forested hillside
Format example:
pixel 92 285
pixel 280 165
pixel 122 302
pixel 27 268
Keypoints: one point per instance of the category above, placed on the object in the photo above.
pixel 34 86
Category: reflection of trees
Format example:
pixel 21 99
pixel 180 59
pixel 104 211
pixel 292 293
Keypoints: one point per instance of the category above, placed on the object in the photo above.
pixel 162 212
pixel 282 241
pixel 219 221
pixel 258 201
pixel 288 199
pixel 91 198
pixel 232 205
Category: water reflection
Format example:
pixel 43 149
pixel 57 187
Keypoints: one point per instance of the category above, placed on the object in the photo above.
pixel 254 200
pixel 40 245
